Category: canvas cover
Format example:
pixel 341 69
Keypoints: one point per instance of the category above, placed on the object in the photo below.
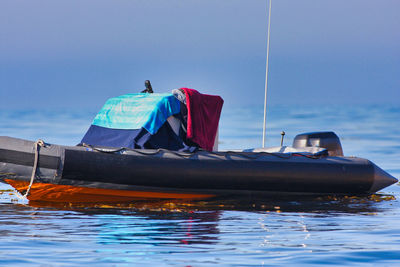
pixel 136 121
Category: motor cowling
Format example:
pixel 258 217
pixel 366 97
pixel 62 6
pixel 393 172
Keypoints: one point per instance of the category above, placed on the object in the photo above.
pixel 328 140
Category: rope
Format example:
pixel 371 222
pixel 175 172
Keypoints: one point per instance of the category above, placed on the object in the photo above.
pixel 104 150
pixel 189 155
pixel 36 145
pixel 147 153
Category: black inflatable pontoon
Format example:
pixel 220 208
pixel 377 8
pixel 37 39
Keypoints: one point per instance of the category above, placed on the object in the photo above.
pixel 89 174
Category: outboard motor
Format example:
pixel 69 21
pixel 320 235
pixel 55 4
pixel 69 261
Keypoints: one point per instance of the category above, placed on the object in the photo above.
pixel 328 140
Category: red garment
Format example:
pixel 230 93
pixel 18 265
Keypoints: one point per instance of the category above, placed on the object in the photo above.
pixel 203 117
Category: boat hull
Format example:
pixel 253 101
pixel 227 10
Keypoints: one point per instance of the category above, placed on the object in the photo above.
pixel 80 194
pixel 82 174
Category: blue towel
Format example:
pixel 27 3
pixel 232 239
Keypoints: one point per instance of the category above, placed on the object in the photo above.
pixel 134 111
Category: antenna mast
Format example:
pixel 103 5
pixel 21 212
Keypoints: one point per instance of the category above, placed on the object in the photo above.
pixel 266 72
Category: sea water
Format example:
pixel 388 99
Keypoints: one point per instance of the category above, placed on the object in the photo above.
pixel 347 230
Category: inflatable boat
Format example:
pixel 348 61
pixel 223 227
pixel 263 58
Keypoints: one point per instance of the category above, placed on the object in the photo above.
pixel 90 174
pixel 123 158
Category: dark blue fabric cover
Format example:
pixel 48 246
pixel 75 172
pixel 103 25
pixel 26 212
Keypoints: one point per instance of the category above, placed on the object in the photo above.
pixel 101 136
pixel 139 138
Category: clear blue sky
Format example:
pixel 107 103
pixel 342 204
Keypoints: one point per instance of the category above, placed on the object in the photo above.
pixel 79 53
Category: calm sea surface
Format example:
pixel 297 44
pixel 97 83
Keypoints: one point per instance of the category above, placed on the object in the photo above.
pixel 303 231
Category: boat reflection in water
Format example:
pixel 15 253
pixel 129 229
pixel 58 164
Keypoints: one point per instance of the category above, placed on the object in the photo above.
pixel 131 231
pixel 314 204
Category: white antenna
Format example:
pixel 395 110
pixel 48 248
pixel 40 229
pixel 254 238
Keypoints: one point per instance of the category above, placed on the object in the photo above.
pixel 266 72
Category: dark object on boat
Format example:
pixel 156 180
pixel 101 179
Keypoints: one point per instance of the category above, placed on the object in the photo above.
pixel 328 140
pixel 148 89
pixel 94 174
